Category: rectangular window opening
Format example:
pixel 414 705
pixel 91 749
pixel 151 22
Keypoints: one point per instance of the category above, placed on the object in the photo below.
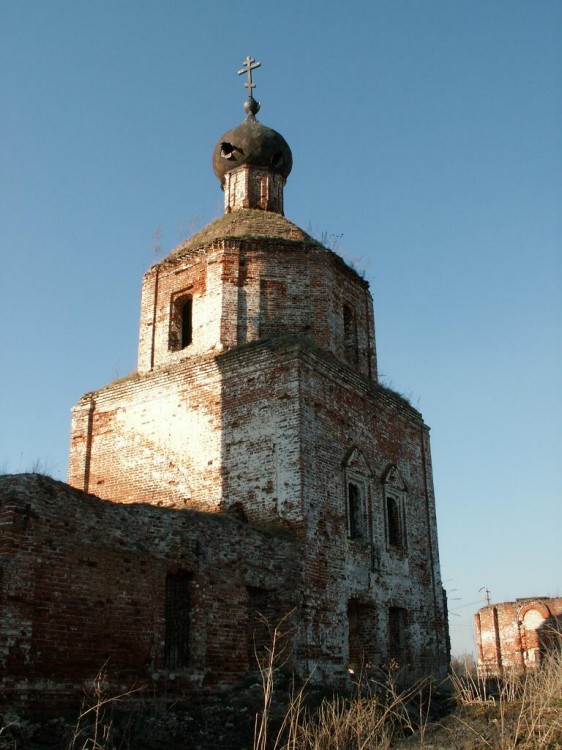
pixel 362 636
pixel 181 321
pixel 186 323
pixel 177 617
pixel 261 622
pixel 393 522
pixel 354 510
pixel 397 635
pixel 350 333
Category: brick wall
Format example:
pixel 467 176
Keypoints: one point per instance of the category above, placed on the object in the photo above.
pixel 271 411
pixel 355 431
pixel 285 419
pixel 517 635
pixel 250 187
pixel 83 581
pixel 259 277
pixel 153 439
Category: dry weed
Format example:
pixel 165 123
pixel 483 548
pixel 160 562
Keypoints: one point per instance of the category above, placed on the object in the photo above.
pixel 527 707
pixel 373 719
pixel 272 659
pixel 94 726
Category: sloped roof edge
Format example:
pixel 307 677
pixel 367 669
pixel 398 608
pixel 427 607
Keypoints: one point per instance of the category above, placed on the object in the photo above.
pixel 245 223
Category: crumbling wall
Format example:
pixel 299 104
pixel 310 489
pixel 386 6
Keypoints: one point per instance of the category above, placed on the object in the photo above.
pixel 257 394
pixel 85 582
pixel 517 635
pixel 293 429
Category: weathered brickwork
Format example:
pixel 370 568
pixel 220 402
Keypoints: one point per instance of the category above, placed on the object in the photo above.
pixel 153 439
pixel 256 405
pixel 247 187
pixel 254 275
pixel 517 635
pixel 83 582
pixel 288 417
pixel 355 433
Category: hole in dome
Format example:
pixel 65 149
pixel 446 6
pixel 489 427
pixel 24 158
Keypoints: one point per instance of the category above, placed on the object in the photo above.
pixel 227 150
pixel 277 160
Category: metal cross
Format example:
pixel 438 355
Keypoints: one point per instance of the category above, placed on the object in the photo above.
pixel 250 64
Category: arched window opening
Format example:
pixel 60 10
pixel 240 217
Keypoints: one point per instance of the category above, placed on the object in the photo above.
pixel 356 495
pixel 181 321
pixel 395 510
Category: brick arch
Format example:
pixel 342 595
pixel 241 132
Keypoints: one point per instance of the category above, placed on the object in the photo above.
pixel 539 607
pixel 532 641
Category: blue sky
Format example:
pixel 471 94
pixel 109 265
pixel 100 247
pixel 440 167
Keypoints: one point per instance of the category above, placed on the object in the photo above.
pixel 427 145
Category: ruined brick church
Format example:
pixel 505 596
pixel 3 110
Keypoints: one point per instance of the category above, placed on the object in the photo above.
pixel 250 468
pixel 517 636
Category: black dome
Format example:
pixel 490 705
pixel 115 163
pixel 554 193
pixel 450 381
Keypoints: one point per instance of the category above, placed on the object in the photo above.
pixel 254 144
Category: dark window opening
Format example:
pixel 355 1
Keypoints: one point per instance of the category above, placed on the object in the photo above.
pixel 350 333
pixel 397 635
pixel 362 636
pixel 181 321
pixel 393 521
pixel 354 509
pixel 186 323
pixel 261 618
pixel 176 643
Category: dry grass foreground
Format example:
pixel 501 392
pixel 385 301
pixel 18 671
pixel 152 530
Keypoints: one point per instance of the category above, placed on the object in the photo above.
pixel 522 712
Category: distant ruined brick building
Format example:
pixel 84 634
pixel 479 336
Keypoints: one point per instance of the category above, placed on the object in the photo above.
pixel 517 635
pixel 252 466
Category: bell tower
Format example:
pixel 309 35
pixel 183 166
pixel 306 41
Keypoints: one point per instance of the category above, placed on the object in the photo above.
pixel 249 279
pixel 252 274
